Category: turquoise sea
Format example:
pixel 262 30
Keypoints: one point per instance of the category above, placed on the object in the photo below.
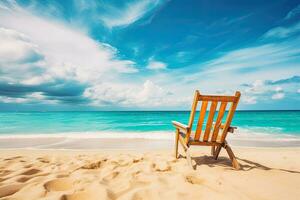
pixel 138 123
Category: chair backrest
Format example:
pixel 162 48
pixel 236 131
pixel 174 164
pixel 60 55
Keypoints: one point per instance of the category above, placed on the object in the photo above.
pixel 211 131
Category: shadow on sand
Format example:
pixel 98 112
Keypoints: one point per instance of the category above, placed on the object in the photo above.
pixel 246 165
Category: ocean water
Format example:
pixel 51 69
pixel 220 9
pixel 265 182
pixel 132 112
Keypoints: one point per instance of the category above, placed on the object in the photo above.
pixel 148 124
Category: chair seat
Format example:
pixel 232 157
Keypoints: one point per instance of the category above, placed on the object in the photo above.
pixel 192 137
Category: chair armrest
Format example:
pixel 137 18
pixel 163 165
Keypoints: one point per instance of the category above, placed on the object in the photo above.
pixel 180 126
pixel 230 128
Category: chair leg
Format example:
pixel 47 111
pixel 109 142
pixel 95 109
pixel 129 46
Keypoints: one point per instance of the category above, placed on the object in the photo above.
pixel 217 152
pixel 187 151
pixel 213 150
pixel 176 143
pixel 232 157
pixel 188 158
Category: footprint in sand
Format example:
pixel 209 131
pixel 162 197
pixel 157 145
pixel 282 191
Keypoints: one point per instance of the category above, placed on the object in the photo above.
pixel 24 179
pixel 5 172
pixel 31 171
pixel 94 192
pixel 94 165
pixel 161 166
pixel 194 179
pixel 13 158
pixel 60 184
pixel 28 166
pixel 44 159
pixel 10 189
pixel 111 176
pixel 62 175
pixel 145 194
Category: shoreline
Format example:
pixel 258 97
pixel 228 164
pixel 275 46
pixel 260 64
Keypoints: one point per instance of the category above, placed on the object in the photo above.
pixel 112 141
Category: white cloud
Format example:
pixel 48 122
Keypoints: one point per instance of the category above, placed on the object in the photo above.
pixel 262 90
pixel 255 57
pixel 156 65
pixel 35 97
pixel 280 54
pixel 147 95
pixel 298 91
pixel 294 12
pixel 278 96
pixel 283 32
pixel 13 100
pixel 151 93
pixel 67 53
pixel 117 17
pixel 249 99
pixel 20 59
pixel 16 48
pixel 278 89
pixel 257 87
pixel 53 52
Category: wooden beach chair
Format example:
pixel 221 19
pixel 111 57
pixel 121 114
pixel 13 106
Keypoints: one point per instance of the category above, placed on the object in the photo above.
pixel 214 132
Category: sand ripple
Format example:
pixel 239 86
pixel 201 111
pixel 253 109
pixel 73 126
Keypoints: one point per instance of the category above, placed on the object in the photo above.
pixel 133 176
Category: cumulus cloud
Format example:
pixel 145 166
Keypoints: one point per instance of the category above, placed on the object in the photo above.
pixel 156 65
pixel 68 52
pixel 49 59
pixel 20 59
pixel 60 63
pixel 58 91
pixel 149 94
pixel 257 87
pixel 277 96
pixel 264 89
pixel 249 99
pixel 17 48
pixel 278 89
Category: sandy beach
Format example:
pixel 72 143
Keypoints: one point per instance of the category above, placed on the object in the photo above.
pixel 267 173
pixel 97 96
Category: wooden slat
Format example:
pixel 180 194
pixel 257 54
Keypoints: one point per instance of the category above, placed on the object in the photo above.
pixel 219 121
pixel 217 98
pixel 201 120
pixel 192 115
pixel 210 120
pixel 230 116
pixel 193 110
pixel 205 143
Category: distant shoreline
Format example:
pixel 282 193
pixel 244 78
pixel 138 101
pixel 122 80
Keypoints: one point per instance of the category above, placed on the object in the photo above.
pixel 41 111
pixel 123 141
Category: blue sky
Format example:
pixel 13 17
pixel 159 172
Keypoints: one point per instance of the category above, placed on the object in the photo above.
pixel 148 54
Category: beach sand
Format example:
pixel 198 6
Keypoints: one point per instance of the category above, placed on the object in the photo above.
pixel 267 173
